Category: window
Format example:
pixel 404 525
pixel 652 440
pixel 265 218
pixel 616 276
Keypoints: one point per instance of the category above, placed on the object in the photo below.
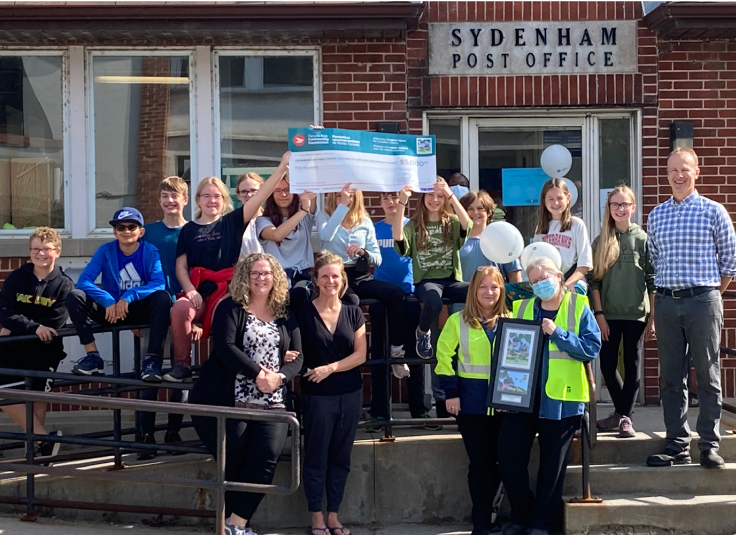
pixel 141 129
pixel 261 96
pixel 447 132
pixel 31 142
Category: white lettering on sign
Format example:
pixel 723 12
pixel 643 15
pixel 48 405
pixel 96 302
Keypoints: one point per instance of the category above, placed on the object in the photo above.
pixel 507 48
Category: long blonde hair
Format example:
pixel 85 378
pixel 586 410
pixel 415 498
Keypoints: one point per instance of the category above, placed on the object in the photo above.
pixel 608 248
pixel 227 203
pixel 421 217
pixel 356 213
pixel 278 297
pixel 325 258
pixel 545 217
pixel 471 314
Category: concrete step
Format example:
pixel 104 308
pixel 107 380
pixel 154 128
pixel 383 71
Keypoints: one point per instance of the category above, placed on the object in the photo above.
pixel 613 479
pixel 610 449
pixel 710 514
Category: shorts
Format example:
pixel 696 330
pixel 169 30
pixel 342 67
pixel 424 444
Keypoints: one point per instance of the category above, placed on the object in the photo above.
pixel 44 363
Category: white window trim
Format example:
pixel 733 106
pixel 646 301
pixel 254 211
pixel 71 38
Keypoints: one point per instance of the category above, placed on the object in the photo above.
pixel 66 231
pixel 586 119
pixel 91 52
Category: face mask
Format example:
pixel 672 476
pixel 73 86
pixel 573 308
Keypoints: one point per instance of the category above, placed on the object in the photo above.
pixel 459 191
pixel 545 289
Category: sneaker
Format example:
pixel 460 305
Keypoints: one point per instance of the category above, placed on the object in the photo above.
pixel 626 428
pixel 424 345
pixel 90 365
pixel 147 455
pixel 231 529
pixel 151 370
pixel 495 527
pixel 47 448
pixel 610 423
pixel 399 370
pixel 179 374
pixel 378 428
pixel 172 437
pixel 711 459
pixel 425 416
pixel 669 457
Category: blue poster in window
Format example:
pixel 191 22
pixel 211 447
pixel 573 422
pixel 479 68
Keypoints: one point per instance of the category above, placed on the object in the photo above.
pixel 522 187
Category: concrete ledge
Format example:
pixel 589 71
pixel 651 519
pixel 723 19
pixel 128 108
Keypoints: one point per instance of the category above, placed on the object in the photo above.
pixel 682 514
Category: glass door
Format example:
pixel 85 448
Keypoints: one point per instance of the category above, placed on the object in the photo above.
pixel 505 162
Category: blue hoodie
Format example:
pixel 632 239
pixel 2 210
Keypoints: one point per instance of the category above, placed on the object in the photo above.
pixel 105 261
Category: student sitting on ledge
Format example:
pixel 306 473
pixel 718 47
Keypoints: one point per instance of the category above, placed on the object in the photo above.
pixel 133 292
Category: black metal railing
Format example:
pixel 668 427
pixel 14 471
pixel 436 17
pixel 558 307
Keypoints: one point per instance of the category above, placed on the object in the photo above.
pixel 220 413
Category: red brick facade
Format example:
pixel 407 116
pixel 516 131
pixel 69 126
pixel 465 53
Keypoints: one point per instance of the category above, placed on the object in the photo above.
pixel 376 76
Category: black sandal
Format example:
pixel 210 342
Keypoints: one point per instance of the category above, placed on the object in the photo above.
pixel 342 530
pixel 311 530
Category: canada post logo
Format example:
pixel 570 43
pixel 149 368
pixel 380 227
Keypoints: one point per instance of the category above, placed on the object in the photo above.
pixel 298 140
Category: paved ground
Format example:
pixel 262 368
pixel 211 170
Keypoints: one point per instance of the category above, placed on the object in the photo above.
pixel 13 526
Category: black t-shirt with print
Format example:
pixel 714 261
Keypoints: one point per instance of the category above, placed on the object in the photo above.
pixel 321 347
pixel 214 246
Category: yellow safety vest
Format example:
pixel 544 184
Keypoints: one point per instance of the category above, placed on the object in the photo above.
pixel 566 377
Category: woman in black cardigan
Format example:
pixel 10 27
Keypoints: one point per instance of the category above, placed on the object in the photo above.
pixel 256 350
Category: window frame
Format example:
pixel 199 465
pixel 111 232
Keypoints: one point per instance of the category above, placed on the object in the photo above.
pixel 61 52
pixel 92 231
pixel 310 51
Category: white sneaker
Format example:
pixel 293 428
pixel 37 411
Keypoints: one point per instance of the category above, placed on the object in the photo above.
pixel 237 530
pixel 400 371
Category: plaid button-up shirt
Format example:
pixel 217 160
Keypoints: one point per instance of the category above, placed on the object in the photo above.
pixel 692 243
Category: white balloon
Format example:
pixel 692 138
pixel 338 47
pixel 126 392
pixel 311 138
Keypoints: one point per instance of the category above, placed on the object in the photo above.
pixel 538 249
pixel 556 161
pixel 573 191
pixel 501 242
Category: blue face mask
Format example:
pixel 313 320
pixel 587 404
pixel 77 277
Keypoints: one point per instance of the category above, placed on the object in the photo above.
pixel 545 289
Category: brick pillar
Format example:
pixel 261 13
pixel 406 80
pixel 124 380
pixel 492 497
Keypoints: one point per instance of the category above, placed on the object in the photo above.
pixel 152 138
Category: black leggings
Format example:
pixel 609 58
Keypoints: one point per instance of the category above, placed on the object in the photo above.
pixel 252 451
pixel 623 393
pixel 364 286
pixel 431 291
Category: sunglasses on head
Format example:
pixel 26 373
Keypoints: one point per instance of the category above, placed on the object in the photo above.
pixel 122 227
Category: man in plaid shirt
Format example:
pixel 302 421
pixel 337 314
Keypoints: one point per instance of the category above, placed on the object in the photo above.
pixel 693 248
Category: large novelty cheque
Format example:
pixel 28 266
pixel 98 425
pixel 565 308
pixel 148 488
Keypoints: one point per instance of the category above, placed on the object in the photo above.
pixel 327 159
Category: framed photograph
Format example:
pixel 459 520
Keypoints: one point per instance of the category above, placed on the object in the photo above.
pixel 516 360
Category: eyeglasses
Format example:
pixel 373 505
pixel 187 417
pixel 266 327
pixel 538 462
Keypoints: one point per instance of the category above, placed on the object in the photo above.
pixel 281 191
pixel 255 275
pixel 208 197
pixel 45 250
pixel 123 228
pixel 247 192
pixel 616 205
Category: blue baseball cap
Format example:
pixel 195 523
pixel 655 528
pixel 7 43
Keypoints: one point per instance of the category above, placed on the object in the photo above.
pixel 127 214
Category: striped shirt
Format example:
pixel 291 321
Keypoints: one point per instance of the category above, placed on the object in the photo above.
pixel 692 243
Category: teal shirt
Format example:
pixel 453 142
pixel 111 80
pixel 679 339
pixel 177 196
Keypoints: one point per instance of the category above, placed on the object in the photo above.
pixel 165 239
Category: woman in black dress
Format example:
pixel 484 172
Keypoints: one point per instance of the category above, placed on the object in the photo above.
pixel 256 351
pixel 334 345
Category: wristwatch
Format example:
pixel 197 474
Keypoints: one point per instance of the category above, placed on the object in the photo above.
pixel 284 380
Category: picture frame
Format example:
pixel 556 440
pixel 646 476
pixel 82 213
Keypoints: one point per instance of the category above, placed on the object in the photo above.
pixel 516 361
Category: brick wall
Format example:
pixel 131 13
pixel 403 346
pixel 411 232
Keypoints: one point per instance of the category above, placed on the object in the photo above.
pixel 696 83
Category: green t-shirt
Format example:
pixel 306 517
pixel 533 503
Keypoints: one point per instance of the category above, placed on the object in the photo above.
pixel 435 261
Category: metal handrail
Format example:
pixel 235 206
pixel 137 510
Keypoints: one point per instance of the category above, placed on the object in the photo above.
pixel 220 413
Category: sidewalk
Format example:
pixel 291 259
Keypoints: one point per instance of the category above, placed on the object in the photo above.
pixel 44 526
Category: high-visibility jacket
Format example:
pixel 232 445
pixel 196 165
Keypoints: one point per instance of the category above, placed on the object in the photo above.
pixel 566 377
pixel 470 381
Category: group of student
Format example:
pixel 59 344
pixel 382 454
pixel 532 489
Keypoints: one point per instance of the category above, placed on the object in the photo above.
pixel 249 278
